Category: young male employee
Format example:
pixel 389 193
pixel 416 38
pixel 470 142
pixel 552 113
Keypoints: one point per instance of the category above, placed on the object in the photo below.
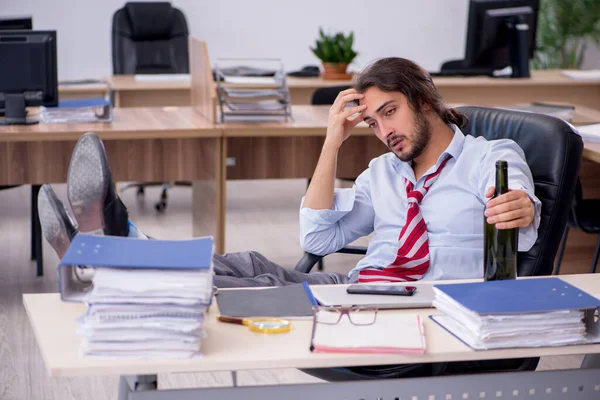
pixel 423 201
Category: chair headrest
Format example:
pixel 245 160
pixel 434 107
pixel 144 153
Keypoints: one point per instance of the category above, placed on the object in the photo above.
pixel 150 20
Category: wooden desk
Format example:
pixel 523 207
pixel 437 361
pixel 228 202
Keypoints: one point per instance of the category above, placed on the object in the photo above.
pixel 142 144
pixel 544 85
pixel 229 347
pixel 128 92
pixel 71 92
pixel 280 150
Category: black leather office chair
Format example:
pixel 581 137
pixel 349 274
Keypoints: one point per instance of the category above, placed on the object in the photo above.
pixel 553 152
pixel 584 215
pixel 150 38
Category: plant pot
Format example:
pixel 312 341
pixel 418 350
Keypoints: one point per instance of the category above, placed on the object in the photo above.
pixel 336 71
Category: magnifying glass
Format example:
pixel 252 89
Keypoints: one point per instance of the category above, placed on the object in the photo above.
pixel 261 325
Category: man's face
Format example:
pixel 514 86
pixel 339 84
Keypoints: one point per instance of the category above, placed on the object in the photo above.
pixel 405 132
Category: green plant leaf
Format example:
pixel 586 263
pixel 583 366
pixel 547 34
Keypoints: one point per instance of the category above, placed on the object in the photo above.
pixel 563 28
pixel 334 48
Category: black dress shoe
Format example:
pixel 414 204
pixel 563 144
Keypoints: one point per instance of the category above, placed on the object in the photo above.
pixel 58 226
pixel 91 191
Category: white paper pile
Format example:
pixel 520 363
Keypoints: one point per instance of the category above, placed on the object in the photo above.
pixel 590 133
pixel 146 313
pixel 481 332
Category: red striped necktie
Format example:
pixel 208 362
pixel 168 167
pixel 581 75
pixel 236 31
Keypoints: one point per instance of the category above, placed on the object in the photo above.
pixel 412 260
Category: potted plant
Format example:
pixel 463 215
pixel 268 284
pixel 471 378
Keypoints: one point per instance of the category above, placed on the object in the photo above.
pixel 336 53
pixel 565 27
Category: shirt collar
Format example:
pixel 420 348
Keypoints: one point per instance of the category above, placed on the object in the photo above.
pixel 454 149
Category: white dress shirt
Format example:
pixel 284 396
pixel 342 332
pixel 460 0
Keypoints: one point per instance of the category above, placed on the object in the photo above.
pixel 453 208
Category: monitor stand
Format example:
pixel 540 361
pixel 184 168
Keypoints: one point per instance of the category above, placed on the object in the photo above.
pixel 519 57
pixel 15 111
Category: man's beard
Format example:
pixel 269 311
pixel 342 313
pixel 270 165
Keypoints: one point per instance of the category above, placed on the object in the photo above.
pixel 420 138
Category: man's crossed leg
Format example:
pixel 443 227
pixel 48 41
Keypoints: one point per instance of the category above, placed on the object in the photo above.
pixel 98 209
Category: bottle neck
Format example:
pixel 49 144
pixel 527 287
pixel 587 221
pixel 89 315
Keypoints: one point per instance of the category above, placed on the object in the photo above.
pixel 501 179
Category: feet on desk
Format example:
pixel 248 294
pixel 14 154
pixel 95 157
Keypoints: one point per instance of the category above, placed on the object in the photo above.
pixel 96 206
pixel 91 191
pixel 58 226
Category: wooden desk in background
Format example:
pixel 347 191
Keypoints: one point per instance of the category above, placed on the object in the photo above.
pixel 84 91
pixel 142 144
pixel 544 85
pixel 128 92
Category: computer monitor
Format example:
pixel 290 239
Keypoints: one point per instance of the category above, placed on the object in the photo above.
pixel 16 23
pixel 30 78
pixel 501 33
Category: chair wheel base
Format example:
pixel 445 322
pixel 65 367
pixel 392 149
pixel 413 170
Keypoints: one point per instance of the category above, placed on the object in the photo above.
pixel 160 206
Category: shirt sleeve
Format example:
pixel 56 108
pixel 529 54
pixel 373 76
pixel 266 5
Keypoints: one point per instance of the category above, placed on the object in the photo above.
pixel 351 217
pixel 519 178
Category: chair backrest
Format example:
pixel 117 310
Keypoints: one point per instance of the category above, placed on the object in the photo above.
pixel 553 151
pixel 326 95
pixel 149 38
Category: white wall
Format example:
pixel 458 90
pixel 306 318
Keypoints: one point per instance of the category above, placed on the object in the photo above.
pixel 427 31
pixel 262 28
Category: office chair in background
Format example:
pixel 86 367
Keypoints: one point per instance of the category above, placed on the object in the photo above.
pixel 584 215
pixel 150 38
pixel 553 151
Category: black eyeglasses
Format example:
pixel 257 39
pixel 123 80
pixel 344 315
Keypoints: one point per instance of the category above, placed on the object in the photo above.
pixel 356 315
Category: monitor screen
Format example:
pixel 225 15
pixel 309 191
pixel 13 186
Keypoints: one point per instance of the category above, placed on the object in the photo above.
pixel 32 70
pixel 488 38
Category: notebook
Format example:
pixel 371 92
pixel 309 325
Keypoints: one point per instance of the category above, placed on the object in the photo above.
pixel 390 334
pixel 291 301
pixel 517 313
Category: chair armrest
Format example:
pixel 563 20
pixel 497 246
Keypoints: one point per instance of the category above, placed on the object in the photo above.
pixel 353 250
pixel 308 260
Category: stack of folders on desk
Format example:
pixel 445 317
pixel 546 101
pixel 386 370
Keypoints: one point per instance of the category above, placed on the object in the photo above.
pixel 246 95
pixel 517 313
pixel 148 298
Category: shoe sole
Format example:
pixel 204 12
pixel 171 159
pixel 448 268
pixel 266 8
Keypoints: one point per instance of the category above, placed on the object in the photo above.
pixel 52 219
pixel 88 180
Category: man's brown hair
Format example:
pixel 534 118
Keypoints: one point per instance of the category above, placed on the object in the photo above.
pixel 395 74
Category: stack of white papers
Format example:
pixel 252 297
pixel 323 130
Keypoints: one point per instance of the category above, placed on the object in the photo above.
pixel 551 328
pixel 590 133
pixel 141 313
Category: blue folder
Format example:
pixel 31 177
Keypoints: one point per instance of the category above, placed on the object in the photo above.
pixel 124 252
pixel 82 103
pixel 522 296
pixel 519 296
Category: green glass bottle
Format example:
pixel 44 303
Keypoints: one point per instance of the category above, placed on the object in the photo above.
pixel 500 245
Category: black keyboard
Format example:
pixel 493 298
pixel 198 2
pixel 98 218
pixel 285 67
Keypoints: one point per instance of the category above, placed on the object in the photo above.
pixel 463 72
